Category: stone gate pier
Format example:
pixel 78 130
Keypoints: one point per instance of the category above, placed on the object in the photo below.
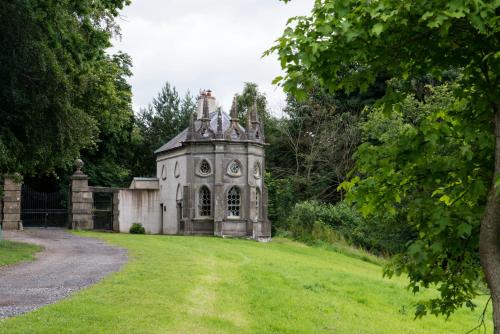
pixel 11 203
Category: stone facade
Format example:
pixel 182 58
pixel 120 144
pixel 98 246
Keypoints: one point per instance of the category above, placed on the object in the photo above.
pixel 209 182
pixel 81 201
pixel 140 203
pixel 11 211
pixel 211 176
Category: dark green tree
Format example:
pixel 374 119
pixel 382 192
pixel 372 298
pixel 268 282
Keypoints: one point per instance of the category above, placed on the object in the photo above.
pixel 276 151
pixel 52 53
pixel 247 98
pixel 110 161
pixel 345 44
pixel 164 118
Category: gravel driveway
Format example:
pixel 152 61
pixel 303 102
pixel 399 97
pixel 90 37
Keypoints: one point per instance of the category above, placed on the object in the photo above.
pixel 67 263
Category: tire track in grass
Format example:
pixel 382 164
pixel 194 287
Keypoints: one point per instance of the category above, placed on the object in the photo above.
pixel 206 307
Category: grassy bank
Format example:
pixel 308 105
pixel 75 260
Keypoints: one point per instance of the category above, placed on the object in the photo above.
pixel 212 285
pixel 12 252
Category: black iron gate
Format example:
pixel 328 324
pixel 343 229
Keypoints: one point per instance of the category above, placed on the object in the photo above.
pixel 103 211
pixel 40 209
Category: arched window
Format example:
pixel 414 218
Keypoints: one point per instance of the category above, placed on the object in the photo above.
pixel 163 173
pixel 205 202
pixel 233 202
pixel 257 203
pixel 177 170
pixel 178 195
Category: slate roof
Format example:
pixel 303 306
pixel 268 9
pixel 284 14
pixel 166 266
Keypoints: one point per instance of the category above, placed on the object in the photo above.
pixel 177 141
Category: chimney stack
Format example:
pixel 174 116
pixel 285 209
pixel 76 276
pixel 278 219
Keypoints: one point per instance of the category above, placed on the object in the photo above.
pixel 211 102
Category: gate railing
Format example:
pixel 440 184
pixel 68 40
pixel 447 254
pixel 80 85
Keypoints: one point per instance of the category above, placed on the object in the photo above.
pixel 102 210
pixel 43 209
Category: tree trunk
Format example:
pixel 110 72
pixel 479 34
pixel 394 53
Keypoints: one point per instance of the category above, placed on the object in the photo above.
pixel 489 237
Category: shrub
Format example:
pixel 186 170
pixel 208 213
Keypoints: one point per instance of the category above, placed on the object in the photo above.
pixel 323 232
pixel 283 195
pixel 137 228
pixel 313 221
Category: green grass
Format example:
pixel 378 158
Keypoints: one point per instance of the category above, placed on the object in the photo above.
pixel 212 285
pixel 12 252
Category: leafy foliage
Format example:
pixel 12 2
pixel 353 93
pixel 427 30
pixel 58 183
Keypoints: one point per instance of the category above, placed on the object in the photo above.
pixel 108 100
pixel 422 160
pixel 311 150
pixel 246 99
pixel 439 168
pixel 137 228
pixel 347 44
pixel 311 221
pixel 53 55
pixel 163 119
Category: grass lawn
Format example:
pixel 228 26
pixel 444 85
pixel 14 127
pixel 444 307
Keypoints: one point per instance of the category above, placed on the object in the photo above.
pixel 12 252
pixel 212 285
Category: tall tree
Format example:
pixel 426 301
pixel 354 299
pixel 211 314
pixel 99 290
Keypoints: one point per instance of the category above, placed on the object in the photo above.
pixel 51 51
pixel 345 44
pixel 322 131
pixel 249 96
pixel 108 100
pixel 164 118
pixel 276 152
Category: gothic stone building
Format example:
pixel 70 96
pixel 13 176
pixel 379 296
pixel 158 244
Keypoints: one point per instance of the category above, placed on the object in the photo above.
pixel 211 175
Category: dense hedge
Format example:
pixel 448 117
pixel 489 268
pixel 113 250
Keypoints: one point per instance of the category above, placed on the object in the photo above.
pixel 311 220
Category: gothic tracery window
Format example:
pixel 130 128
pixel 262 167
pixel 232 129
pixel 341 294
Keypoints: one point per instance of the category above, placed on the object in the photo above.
pixel 233 202
pixel 205 202
pixel 234 168
pixel 205 168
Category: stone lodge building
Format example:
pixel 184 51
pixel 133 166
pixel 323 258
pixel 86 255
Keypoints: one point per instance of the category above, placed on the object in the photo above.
pixel 211 175
pixel 209 181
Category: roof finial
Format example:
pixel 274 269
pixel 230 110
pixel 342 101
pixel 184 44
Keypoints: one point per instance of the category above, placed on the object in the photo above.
pixel 191 128
pixel 219 120
pixel 253 112
pixel 234 109
pixel 249 120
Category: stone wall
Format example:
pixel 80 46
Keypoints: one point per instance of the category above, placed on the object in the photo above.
pixel 11 204
pixel 171 173
pixel 139 206
pixel 81 202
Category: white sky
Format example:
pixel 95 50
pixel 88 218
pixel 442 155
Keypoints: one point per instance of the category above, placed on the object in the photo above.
pixel 196 44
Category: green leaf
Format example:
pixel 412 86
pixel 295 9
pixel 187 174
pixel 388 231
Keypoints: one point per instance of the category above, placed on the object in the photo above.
pixel 277 80
pixel 377 29
pixel 446 200
pixel 427 15
pixel 464 230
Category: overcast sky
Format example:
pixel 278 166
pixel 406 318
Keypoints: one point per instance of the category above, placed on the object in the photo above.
pixel 197 44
